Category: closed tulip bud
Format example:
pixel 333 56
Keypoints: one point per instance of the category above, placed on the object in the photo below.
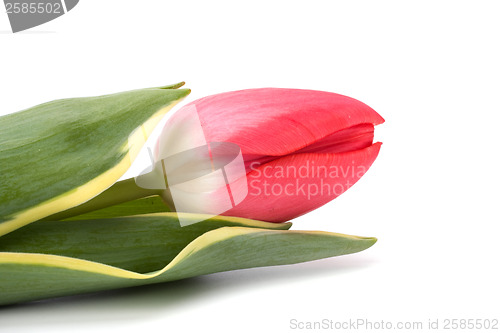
pixel 298 149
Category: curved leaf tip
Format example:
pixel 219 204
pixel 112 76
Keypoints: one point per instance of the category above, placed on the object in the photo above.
pixel 173 86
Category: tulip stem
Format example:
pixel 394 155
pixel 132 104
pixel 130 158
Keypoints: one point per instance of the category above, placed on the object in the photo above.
pixel 120 192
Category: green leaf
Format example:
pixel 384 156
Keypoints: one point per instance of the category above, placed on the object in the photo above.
pixel 139 250
pixel 123 198
pixel 60 154
pixel 142 244
pixel 152 204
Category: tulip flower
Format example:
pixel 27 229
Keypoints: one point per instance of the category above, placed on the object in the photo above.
pixel 290 151
pixel 67 228
pixel 266 154
pixel 301 148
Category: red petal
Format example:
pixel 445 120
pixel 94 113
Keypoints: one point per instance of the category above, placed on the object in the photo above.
pixel 349 139
pixel 274 121
pixel 299 183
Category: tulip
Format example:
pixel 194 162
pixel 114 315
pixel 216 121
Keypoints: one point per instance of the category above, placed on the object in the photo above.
pixel 300 148
pixel 67 153
pixel 265 154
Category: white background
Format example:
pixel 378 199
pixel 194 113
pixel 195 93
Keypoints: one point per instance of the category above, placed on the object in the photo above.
pixel 431 69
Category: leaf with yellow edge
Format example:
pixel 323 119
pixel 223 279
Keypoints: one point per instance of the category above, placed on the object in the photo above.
pixel 57 258
pixel 60 154
pixel 148 205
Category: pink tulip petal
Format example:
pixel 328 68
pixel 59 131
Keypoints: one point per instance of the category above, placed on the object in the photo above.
pixel 349 139
pixel 276 122
pixel 299 183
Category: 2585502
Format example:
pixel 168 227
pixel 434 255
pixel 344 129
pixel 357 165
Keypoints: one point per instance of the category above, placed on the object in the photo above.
pixel 471 324
pixel 33 8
